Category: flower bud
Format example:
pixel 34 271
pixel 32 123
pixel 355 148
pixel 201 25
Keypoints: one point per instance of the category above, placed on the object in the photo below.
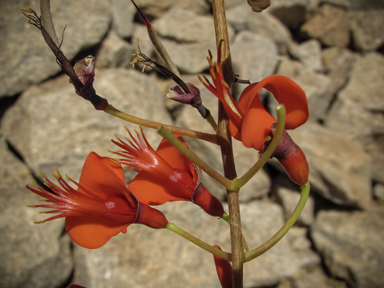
pixel 178 94
pixel 290 156
pixel 192 98
pixel 85 71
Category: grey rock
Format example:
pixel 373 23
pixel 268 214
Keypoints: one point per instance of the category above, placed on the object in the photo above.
pixel 123 13
pixel 156 9
pixel 367 78
pixel 366 4
pixel 264 24
pixel 141 34
pixel 289 199
pixel 316 86
pixel 357 111
pixel 114 52
pixel 334 174
pixel 36 255
pixel 146 258
pixel 338 63
pixel 378 191
pixel 188 37
pixel 26 59
pixel 292 12
pixel 13 173
pixel 351 245
pixel 316 278
pixel 329 25
pixel 309 54
pixel 367 29
pixel 341 3
pixel 259 52
pixel 58 129
pixel 260 185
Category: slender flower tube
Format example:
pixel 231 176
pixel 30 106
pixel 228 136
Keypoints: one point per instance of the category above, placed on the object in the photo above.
pixel 101 207
pixel 165 175
pixel 224 270
pixel 251 123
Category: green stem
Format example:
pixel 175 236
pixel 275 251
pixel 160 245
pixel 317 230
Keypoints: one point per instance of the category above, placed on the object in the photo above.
pixel 283 230
pixel 198 242
pixel 240 182
pixel 155 125
pixel 212 122
pixel 167 134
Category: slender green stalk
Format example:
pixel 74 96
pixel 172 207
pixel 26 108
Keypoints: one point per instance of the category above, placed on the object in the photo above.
pixel 240 182
pixel 155 125
pixel 198 242
pixel 167 134
pixel 212 122
pixel 283 230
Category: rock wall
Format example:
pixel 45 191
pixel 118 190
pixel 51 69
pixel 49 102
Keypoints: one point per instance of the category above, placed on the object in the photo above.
pixel 332 48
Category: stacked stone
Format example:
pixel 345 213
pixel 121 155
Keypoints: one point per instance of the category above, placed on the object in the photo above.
pixel 332 48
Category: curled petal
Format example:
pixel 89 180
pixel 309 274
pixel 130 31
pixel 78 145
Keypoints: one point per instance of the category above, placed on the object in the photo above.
pixel 257 120
pixel 102 176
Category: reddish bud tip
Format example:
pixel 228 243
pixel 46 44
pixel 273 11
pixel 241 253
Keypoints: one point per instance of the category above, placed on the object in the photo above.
pixel 209 203
pixel 291 157
pixel 224 270
pixel 151 217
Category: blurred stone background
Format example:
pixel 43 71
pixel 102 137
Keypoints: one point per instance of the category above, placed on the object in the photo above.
pixel 332 48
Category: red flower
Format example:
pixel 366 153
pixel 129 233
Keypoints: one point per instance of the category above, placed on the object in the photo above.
pixel 251 123
pixel 165 175
pixel 224 270
pixel 101 207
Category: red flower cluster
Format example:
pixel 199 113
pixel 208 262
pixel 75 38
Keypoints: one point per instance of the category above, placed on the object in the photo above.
pixel 103 205
pixel 165 175
pixel 251 123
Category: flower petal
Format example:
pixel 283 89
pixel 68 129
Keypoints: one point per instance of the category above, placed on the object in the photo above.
pixel 290 94
pixel 173 156
pixel 102 177
pixel 257 120
pixel 92 232
pixel 151 191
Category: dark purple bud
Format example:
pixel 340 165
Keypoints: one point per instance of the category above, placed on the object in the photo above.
pixel 85 71
pixel 178 94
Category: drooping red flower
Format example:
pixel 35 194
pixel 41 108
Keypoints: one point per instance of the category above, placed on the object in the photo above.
pixel 101 207
pixel 251 123
pixel 165 175
pixel 224 270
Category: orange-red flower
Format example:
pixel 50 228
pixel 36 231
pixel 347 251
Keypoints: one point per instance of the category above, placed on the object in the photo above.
pixel 251 123
pixel 165 175
pixel 101 207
